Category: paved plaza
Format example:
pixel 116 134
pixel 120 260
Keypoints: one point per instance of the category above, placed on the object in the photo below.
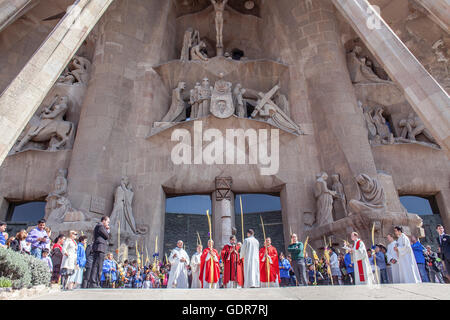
pixel 426 291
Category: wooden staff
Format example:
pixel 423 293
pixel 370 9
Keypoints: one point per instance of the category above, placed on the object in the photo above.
pixel 242 220
pixel 210 249
pixel 374 255
pixel 267 260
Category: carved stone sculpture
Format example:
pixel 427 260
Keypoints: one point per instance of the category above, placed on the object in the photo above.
pixel 49 127
pixel 372 198
pixel 371 128
pixel 324 198
pixel 204 98
pixel 177 110
pixel 282 102
pixel 341 202
pixel 197 52
pixel 360 68
pixel 58 206
pixel 221 100
pixel 239 102
pixel 191 39
pixel 122 210
pixel 77 72
pixel 219 8
pixel 384 135
pixel 269 111
pixel 412 127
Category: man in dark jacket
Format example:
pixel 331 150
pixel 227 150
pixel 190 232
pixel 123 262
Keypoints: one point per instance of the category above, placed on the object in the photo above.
pixel 444 248
pixel 100 246
pixel 88 266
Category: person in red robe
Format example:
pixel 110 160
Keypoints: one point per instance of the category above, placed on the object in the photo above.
pixel 205 267
pixel 230 259
pixel 269 253
pixel 240 268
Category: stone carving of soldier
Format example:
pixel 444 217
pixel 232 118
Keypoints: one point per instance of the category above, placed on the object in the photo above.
pixel 372 196
pixel 204 98
pixel 193 101
pixel 324 200
pixel 412 127
pixel 239 102
pixel 122 210
pixel 52 114
pixel 177 110
pixel 338 187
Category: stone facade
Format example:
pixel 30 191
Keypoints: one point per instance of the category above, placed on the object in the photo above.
pixel 299 47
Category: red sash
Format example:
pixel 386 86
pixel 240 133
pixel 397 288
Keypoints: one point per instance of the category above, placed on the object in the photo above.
pixel 360 266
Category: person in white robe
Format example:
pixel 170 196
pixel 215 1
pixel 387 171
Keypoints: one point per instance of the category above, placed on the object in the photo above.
pixel 250 254
pixel 363 270
pixel 392 258
pixel 195 267
pixel 409 272
pixel 179 260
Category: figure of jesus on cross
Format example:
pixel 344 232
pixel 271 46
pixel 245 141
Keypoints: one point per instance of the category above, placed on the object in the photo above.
pixel 219 8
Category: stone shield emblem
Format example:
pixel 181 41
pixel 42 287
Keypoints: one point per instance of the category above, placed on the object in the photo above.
pixel 221 100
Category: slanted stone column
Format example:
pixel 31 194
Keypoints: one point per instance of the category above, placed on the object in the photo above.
pixel 11 10
pixel 26 92
pixel 426 96
pixel 222 212
pixel 439 11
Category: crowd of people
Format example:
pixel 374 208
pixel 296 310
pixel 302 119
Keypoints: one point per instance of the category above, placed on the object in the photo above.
pixel 76 264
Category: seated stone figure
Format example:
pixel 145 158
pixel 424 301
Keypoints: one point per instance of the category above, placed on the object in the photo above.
pixel 360 68
pixel 197 52
pixel 49 127
pixel 372 198
pixel 412 127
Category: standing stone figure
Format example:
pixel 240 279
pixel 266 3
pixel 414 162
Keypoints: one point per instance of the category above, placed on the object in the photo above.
pixel 372 197
pixel 384 135
pixel 324 200
pixel 193 101
pixel 177 110
pixel 239 102
pixel 122 210
pixel 191 39
pixel 49 127
pixel 204 98
pixel 219 8
pixel 338 187
pixel 59 208
pixel 59 191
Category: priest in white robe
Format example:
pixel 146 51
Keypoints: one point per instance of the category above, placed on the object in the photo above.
pixel 195 267
pixel 392 258
pixel 409 272
pixel 179 260
pixel 250 254
pixel 363 270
